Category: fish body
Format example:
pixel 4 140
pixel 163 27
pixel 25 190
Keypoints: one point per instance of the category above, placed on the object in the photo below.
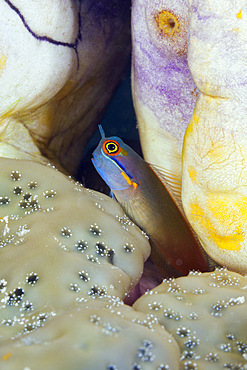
pixel 148 203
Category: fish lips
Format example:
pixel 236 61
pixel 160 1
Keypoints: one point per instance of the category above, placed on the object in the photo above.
pixel 96 162
pixel 98 165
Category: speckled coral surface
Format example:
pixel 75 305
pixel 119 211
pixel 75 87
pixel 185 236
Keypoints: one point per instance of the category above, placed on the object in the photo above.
pixel 206 314
pixel 60 243
pixel 95 336
pixel 68 256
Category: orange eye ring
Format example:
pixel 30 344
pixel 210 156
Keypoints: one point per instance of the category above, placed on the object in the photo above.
pixel 111 147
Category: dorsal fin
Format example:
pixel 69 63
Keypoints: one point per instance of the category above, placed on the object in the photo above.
pixel 101 130
pixel 171 182
pixel 174 187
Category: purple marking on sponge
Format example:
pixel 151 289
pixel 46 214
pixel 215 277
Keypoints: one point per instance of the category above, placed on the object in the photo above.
pixel 165 84
pixel 162 79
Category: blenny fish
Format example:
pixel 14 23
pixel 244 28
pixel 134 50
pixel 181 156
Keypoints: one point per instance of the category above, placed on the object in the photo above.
pixel 146 200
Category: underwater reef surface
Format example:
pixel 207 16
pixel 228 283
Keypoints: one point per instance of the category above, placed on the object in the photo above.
pixel 69 256
pixel 71 261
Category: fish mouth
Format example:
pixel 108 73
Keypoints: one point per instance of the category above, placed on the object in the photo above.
pixel 95 162
pixel 98 165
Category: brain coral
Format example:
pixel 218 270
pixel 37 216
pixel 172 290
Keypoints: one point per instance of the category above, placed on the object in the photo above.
pixel 68 257
pixel 206 314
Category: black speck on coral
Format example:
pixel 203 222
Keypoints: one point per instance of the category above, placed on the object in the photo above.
pixel 15 175
pixel 81 245
pixel 32 278
pixel 4 200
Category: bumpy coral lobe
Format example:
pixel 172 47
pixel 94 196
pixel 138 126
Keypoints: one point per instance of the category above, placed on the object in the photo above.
pixel 63 275
pixel 206 314
pixel 54 234
pixel 97 335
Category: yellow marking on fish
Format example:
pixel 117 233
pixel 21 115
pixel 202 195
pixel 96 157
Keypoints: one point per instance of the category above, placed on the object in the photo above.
pixel 129 180
pixel 192 173
pixel 229 242
pixel 5 357
pixel 124 152
pixel 239 15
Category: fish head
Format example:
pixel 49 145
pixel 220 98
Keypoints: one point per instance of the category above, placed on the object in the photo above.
pixel 112 160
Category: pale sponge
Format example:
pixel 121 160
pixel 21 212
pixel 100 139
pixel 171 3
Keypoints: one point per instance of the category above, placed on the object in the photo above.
pixel 206 314
pixel 60 244
pixel 96 337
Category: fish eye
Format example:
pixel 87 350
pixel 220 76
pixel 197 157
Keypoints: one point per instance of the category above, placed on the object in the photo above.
pixel 111 147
